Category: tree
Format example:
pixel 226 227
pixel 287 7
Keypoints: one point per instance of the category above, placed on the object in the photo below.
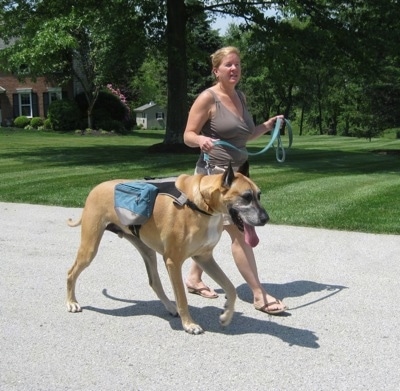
pixel 60 39
pixel 177 71
pixel 178 12
pixel 149 83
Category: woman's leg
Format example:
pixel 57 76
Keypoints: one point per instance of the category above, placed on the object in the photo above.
pixel 195 284
pixel 245 261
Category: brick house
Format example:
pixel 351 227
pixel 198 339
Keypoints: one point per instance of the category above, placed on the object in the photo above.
pixel 28 97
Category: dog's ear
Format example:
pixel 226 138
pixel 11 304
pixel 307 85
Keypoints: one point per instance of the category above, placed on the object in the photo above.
pixel 228 176
pixel 245 169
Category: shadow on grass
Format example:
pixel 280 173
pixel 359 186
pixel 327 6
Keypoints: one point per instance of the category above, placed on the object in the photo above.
pixel 100 156
pixel 331 161
pixel 315 161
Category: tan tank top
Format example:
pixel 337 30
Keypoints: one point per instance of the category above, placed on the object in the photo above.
pixel 227 126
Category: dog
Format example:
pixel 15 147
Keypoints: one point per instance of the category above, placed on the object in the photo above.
pixel 176 232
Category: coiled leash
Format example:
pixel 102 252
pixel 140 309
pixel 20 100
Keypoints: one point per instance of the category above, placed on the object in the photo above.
pixel 276 136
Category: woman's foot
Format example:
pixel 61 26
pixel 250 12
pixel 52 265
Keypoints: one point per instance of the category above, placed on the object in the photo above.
pixel 202 290
pixel 270 306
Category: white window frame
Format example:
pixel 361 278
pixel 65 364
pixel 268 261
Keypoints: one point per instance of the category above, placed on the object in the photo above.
pixel 55 93
pixel 25 92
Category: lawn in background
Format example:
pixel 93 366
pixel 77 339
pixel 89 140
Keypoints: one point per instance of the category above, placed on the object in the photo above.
pixel 326 181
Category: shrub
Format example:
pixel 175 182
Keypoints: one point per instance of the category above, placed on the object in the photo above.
pixel 64 115
pixel 36 122
pixel 111 125
pixel 108 107
pixel 398 134
pixel 47 124
pixel 21 121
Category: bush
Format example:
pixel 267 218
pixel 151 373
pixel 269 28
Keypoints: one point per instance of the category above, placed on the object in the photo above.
pixel 36 122
pixel 111 125
pixel 107 109
pixel 21 122
pixel 398 134
pixel 47 124
pixel 64 115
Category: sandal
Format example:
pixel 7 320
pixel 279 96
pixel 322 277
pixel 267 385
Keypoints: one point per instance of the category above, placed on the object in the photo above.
pixel 200 291
pixel 264 308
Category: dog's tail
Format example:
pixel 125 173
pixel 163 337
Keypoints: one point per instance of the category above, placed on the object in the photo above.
pixel 71 223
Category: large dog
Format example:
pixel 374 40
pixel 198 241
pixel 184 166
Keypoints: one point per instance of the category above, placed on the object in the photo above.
pixel 176 232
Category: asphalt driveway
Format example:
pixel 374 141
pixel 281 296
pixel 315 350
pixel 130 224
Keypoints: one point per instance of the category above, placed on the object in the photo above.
pixel 341 332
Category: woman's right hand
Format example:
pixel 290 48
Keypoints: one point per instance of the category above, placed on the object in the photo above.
pixel 206 143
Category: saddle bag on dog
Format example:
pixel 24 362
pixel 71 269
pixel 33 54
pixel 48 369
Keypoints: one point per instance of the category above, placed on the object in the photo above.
pixel 134 202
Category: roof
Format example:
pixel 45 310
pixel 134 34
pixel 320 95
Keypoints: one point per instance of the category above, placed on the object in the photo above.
pixel 145 107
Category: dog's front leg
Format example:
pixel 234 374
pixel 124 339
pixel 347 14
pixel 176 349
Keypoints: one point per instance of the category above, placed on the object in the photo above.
pixel 175 274
pixel 211 267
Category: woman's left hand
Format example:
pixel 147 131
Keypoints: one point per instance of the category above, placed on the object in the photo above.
pixel 270 124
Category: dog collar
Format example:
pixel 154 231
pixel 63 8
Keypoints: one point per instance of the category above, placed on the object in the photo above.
pixel 193 206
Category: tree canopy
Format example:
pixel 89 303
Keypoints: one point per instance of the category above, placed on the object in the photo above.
pixel 330 65
pixel 90 41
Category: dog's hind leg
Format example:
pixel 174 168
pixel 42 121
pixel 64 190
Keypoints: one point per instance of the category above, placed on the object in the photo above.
pixel 90 240
pixel 150 260
pixel 211 267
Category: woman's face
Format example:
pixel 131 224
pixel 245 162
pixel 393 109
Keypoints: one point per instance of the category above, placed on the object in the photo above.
pixel 229 71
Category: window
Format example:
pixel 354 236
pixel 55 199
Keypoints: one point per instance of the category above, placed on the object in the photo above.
pixel 159 115
pixel 54 94
pixel 25 102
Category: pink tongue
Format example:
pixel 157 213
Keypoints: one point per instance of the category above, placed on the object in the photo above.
pixel 250 235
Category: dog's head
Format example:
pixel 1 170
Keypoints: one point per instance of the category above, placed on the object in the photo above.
pixel 242 200
pixel 227 193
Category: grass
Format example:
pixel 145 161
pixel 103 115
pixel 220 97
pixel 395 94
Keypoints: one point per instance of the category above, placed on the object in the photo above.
pixel 325 182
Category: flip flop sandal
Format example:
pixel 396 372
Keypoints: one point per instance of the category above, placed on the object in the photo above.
pixel 200 291
pixel 271 312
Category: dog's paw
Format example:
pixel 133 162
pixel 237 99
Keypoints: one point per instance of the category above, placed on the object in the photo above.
pixel 225 319
pixel 194 329
pixel 73 307
pixel 226 316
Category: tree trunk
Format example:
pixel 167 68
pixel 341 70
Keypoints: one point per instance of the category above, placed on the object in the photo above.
pixel 91 98
pixel 289 104
pixel 177 111
pixel 301 120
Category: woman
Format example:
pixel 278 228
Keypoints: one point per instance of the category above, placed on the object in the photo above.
pixel 220 113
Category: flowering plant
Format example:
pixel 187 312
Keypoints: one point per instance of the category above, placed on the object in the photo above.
pixel 117 92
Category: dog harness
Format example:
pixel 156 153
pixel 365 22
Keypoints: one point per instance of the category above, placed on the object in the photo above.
pixel 128 207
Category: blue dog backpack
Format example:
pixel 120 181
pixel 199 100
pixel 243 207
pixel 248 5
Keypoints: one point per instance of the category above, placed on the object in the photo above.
pixel 134 202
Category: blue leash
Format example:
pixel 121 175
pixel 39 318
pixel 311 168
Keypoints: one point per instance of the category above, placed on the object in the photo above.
pixel 276 136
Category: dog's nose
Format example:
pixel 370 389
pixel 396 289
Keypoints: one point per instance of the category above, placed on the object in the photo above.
pixel 264 218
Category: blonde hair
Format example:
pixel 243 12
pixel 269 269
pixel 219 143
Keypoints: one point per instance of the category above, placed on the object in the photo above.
pixel 218 56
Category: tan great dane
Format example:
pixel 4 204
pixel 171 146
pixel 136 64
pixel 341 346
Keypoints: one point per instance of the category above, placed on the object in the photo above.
pixel 176 232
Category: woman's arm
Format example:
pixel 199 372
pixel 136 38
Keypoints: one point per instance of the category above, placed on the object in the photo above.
pixel 198 116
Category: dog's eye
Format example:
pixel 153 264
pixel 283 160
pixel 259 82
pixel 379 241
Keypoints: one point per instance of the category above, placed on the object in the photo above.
pixel 248 197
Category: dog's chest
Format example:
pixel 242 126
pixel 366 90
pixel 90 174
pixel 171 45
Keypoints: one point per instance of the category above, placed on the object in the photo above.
pixel 213 231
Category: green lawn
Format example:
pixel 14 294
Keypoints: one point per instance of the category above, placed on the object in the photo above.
pixel 331 182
